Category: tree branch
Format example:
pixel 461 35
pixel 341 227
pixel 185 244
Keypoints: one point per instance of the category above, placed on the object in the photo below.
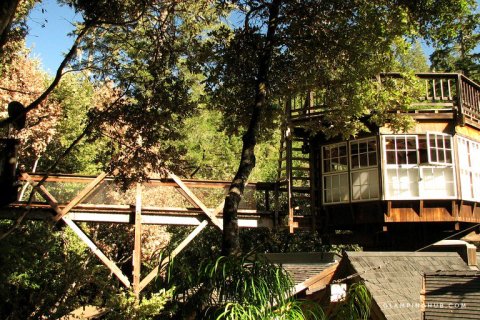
pixel 58 76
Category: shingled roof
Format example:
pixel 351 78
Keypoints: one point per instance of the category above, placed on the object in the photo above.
pixel 451 294
pixel 307 269
pixel 394 279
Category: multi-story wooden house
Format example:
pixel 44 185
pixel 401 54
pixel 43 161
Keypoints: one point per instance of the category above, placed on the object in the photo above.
pixel 385 187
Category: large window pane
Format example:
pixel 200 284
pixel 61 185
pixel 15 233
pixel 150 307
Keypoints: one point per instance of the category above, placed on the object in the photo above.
pixel 365 185
pixel 364 175
pixel 335 157
pixel 335 188
pixel 401 183
pixel 437 183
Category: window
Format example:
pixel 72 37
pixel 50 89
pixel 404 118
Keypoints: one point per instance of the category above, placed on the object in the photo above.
pixel 350 171
pixel 469 167
pixel 335 157
pixel 335 187
pixel 335 173
pixel 419 166
pixel 439 149
pixel 363 153
pixel 401 170
pixel 364 170
pixel 401 150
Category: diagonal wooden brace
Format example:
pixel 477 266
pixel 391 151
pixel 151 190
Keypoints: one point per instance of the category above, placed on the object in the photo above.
pixel 43 192
pixel 192 198
pixel 109 263
pixel 54 204
pixel 81 195
pixel 174 253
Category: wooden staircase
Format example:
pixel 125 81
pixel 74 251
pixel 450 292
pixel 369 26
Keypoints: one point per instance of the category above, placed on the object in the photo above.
pixel 294 174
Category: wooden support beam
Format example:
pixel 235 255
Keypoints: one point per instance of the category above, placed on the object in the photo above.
pixel 43 192
pixel 137 251
pixel 109 263
pixel 54 204
pixel 175 252
pixel 81 195
pixel 192 198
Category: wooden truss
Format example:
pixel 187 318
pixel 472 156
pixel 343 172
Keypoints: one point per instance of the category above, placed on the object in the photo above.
pixel 66 214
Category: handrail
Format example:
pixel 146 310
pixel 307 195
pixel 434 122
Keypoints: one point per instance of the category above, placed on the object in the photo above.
pixel 194 183
pixel 452 90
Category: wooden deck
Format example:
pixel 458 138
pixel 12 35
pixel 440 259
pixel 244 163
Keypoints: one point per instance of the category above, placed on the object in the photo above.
pixel 456 94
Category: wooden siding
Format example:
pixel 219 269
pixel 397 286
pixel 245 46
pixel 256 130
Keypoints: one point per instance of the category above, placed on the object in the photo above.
pixel 432 211
pixel 422 127
pixel 468 132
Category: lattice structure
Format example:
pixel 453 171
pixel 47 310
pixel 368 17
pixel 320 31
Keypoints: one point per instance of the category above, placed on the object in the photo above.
pixel 169 201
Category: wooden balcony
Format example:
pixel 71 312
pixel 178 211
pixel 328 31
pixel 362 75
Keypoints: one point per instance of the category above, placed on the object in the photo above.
pixel 444 95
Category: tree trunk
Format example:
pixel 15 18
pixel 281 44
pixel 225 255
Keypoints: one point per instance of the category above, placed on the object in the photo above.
pixel 7 13
pixel 231 243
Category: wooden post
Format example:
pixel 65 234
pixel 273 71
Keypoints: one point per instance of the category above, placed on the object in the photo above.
pixel 289 171
pixel 137 251
pixel 460 116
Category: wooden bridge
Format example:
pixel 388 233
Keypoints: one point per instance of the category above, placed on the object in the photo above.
pixel 171 201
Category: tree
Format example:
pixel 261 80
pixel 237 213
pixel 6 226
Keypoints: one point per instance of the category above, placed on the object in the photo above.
pixel 286 48
pixel 12 23
pixel 23 79
pixel 456 49
pixel 52 273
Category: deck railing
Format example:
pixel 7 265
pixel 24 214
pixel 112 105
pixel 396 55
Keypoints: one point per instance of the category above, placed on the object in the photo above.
pixel 451 91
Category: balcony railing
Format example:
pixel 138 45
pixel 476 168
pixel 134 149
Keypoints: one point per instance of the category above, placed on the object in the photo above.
pixel 448 91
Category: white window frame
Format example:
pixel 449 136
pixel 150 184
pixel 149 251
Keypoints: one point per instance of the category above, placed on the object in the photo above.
pixel 430 148
pixel 468 169
pixel 369 168
pixel 339 144
pixel 401 165
pixel 418 167
pixel 334 174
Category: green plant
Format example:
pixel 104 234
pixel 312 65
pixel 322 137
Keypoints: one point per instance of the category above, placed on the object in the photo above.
pixel 356 305
pixel 125 306
pixel 245 287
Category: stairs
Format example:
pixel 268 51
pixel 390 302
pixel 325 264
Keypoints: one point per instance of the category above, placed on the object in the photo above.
pixel 294 175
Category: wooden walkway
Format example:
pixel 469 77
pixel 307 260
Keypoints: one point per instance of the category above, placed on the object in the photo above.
pixel 171 201
pixel 92 205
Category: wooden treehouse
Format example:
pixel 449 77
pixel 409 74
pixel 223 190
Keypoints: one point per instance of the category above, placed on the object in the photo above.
pixel 384 188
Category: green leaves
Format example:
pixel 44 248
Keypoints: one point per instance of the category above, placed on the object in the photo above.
pixel 246 287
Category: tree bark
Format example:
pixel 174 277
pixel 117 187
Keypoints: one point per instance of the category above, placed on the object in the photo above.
pixel 7 13
pixel 231 242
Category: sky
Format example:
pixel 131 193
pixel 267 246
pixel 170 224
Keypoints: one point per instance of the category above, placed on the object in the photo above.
pixel 49 23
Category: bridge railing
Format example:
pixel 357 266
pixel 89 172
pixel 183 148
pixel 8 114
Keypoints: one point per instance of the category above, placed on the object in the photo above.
pixel 448 91
pixel 157 194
